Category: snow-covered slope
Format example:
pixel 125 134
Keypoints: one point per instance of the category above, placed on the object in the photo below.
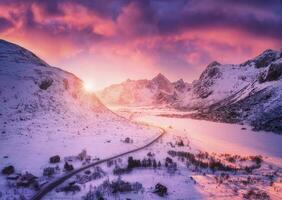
pixel 218 81
pixel 226 92
pixel 157 91
pixel 45 111
pixel 30 87
pixel 246 92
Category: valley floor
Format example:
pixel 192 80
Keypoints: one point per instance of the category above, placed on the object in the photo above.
pixel 183 154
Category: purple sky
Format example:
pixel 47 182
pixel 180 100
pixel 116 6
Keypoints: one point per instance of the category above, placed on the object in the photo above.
pixel 109 41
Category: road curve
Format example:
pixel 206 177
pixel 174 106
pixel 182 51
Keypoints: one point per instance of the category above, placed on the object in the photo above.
pixel 49 187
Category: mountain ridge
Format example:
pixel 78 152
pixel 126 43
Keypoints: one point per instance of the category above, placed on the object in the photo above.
pixel 33 92
pixel 221 92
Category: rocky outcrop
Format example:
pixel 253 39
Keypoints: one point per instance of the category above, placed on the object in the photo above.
pixel 211 71
pixel 181 86
pixel 264 59
pixel 274 72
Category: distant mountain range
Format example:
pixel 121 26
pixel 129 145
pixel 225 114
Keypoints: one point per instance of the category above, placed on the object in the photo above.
pixel 157 91
pixel 250 92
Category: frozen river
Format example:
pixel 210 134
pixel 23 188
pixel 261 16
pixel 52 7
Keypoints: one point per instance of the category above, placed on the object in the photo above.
pixel 212 136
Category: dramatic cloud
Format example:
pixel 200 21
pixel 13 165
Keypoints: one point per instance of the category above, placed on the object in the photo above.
pixel 134 38
pixel 5 24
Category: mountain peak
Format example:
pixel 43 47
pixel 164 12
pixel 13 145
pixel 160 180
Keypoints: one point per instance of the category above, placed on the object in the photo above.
pixel 181 81
pixel 266 57
pixel 10 52
pixel 162 83
pixel 212 64
pixel 160 76
pixel 268 51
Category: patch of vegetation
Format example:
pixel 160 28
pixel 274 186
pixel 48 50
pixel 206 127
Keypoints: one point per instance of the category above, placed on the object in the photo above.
pixel 256 194
pixel 112 188
pixel 206 161
pixel 137 163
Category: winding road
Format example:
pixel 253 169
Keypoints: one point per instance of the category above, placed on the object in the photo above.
pixel 49 187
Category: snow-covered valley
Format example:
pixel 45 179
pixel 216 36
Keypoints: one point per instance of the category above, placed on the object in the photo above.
pixel 249 92
pixel 215 139
pixel 51 127
pixel 209 136
pixel 46 112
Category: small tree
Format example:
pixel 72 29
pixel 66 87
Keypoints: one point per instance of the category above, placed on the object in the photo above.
pixel 155 163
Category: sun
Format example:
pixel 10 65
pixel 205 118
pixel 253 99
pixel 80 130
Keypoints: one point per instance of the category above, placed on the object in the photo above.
pixel 88 86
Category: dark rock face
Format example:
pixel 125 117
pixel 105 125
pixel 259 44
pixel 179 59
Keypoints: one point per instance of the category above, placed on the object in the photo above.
pixel 8 170
pixel 204 95
pixel 269 120
pixel 251 109
pixel 162 83
pixel 55 159
pixel 266 58
pixel 163 97
pixel 179 85
pixel 45 84
pixel 274 72
pixel 211 71
pixel 212 64
pixel 202 87
pixel 160 189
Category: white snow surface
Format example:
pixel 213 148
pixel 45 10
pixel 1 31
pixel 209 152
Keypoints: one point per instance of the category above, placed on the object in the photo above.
pixel 64 119
pixel 209 136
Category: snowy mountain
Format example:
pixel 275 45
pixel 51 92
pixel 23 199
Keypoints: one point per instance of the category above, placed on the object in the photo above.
pixel 30 87
pixel 45 112
pixel 249 92
pixel 218 81
pixel 157 91
pixel 224 92
pixel 50 127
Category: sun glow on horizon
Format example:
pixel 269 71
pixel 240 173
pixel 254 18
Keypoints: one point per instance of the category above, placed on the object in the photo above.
pixel 88 86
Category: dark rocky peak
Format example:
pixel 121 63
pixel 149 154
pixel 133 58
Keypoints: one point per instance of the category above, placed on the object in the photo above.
pixel 273 73
pixel 10 52
pixel 268 56
pixel 212 71
pixel 162 83
pixel 213 64
pixel 179 85
pixel 265 58
pixel 160 77
pixel 179 82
